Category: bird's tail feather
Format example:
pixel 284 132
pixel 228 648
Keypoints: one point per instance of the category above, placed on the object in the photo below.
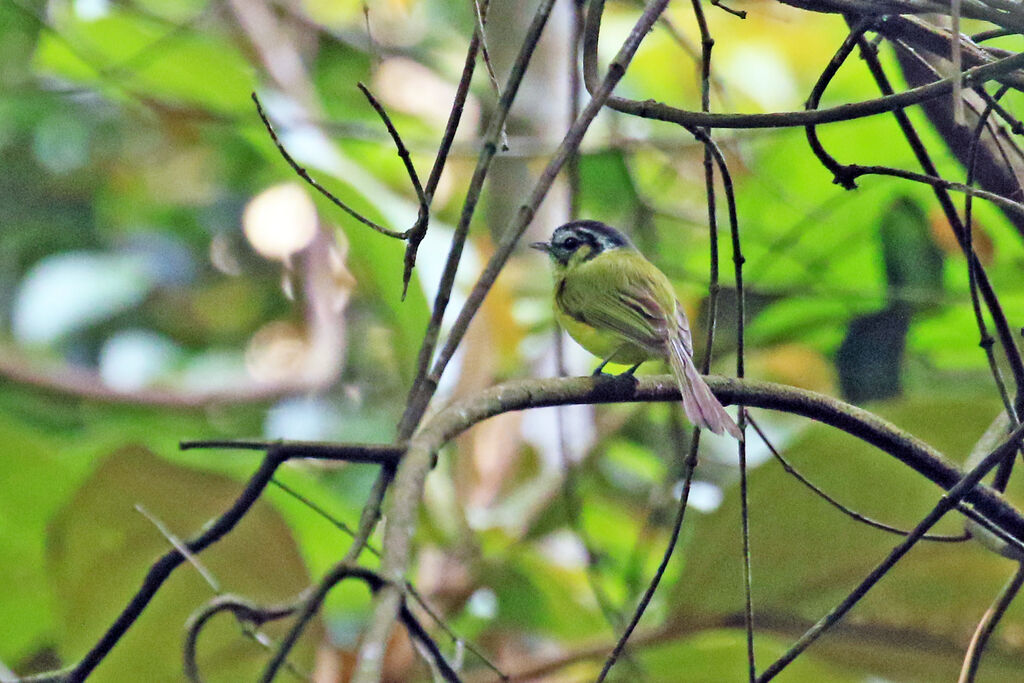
pixel 699 404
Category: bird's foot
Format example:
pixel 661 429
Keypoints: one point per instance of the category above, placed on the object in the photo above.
pixel 623 382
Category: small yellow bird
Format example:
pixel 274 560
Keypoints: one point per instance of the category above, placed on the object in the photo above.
pixel 618 306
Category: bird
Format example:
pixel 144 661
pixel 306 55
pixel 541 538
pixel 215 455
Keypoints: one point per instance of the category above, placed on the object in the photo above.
pixel 621 308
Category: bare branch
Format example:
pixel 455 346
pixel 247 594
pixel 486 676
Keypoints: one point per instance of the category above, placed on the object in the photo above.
pixel 961 490
pixel 375 454
pixel 375 583
pixel 304 174
pixel 245 611
pixel 423 388
pixel 652 109
pixel 988 623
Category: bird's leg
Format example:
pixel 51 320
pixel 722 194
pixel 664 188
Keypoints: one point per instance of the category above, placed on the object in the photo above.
pixel 614 380
pixel 599 370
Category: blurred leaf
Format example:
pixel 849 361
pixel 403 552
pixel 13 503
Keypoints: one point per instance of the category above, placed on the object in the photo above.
pixel 100 548
pixel 870 359
pixel 943 235
pixel 608 193
pixel 31 495
pixel 549 599
pixel 149 58
pixel 793 364
pixel 65 292
pixel 913 264
pixel 806 556
pixel 715 656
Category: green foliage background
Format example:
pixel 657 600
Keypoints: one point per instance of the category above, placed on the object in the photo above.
pixel 129 133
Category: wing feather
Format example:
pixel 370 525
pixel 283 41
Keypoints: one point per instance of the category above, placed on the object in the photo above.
pixel 625 294
pixel 619 294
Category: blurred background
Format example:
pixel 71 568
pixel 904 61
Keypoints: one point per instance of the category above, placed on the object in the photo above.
pixel 164 275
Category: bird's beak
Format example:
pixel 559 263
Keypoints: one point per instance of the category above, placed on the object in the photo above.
pixel 541 246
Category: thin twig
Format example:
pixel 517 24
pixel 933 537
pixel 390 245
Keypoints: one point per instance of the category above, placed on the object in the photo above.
pixel 419 230
pixel 986 341
pixel 180 546
pixel 948 502
pixel 422 388
pixel 246 612
pixel 304 174
pixel 403 153
pixel 987 625
pixel 742 14
pixel 852 514
pixel 854 171
pixel 371 44
pixel 480 13
pixel 839 172
pixel 376 454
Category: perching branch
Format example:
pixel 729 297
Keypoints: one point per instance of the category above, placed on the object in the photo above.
pixel 518 395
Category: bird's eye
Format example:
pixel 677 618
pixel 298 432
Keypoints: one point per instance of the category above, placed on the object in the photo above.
pixel 570 243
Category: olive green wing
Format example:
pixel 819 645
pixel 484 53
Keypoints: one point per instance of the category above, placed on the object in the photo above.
pixel 622 292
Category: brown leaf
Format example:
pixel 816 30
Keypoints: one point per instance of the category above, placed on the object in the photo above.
pixel 943 235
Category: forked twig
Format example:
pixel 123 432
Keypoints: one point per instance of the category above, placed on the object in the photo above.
pixel 375 583
pixel 987 625
pixel 409 588
pixel 304 174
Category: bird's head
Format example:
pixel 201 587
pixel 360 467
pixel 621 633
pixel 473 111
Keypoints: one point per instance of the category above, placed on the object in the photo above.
pixel 581 241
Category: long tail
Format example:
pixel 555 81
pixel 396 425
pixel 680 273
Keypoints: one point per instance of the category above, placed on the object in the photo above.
pixel 700 405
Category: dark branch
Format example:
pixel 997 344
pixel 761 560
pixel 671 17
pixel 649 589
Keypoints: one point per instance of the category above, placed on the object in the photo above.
pixel 376 454
pixel 304 174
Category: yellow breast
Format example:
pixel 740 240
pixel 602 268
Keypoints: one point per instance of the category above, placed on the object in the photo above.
pixel 604 344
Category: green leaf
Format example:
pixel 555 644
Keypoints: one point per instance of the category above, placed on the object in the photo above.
pixel 131 53
pixel 607 190
pixel 100 548
pixel 870 359
pixel 913 262
pixel 31 496
pixel 807 556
